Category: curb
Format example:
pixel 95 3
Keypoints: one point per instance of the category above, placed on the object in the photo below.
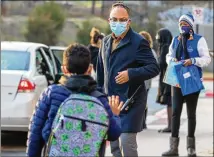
pixel 208 79
pixel 160 113
pixel 13 149
pixel 209 94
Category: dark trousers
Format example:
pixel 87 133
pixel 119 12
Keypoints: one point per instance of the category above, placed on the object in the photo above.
pixel 177 105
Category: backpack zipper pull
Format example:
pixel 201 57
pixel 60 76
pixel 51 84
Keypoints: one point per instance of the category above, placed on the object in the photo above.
pixel 83 125
pixel 62 123
pixel 54 136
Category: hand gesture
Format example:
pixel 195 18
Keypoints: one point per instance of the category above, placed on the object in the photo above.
pixel 115 104
pixel 122 77
pixel 187 62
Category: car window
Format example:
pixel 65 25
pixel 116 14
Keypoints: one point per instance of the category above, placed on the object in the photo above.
pixel 58 64
pixel 49 57
pixel 58 54
pixel 15 60
pixel 39 58
pixel 41 63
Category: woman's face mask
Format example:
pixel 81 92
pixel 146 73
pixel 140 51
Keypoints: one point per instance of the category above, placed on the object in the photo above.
pixel 185 29
pixel 118 28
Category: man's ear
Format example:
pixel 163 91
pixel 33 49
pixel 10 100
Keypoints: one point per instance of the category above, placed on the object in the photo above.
pixel 64 69
pixel 109 20
pixel 129 22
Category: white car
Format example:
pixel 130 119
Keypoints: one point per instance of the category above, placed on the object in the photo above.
pixel 26 70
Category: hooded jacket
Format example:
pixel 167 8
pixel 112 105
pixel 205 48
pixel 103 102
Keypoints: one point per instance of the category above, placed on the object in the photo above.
pixel 47 107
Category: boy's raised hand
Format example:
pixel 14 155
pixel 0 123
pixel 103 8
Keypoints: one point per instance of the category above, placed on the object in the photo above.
pixel 115 104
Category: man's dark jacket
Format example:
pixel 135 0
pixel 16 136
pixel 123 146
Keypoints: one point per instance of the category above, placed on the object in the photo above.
pixel 133 54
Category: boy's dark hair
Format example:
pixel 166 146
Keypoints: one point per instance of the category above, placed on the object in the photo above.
pixel 122 5
pixel 77 58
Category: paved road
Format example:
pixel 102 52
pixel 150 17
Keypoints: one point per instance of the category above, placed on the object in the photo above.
pixel 152 143
pixel 153 107
pixel 13 144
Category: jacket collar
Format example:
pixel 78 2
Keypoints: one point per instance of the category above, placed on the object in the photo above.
pixel 79 83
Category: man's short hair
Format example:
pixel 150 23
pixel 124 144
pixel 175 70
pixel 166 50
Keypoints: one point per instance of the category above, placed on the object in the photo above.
pixel 77 58
pixel 122 5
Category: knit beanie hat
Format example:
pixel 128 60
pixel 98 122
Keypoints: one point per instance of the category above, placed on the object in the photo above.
pixel 187 18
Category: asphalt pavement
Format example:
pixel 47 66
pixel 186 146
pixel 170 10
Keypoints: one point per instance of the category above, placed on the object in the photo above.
pixel 152 143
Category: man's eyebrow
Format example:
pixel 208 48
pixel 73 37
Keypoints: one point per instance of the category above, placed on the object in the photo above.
pixel 120 17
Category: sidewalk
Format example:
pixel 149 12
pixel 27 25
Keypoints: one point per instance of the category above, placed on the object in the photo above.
pixel 152 143
pixel 208 92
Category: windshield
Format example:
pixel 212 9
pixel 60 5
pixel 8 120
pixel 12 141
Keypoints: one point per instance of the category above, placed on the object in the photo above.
pixel 15 60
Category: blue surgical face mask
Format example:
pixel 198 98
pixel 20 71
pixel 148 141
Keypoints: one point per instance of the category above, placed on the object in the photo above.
pixel 118 28
pixel 184 29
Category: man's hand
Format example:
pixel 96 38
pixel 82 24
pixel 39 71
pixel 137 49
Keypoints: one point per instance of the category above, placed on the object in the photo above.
pixel 115 104
pixel 187 62
pixel 122 77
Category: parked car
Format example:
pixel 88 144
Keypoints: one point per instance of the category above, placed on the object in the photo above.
pixel 26 70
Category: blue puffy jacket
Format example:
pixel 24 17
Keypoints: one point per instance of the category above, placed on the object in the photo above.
pixel 47 107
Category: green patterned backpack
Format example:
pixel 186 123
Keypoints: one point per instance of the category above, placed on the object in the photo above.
pixel 79 128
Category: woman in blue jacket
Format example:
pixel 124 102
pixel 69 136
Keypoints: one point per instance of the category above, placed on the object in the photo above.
pixel 192 49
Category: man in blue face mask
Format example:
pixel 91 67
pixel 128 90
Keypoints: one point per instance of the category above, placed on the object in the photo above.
pixel 125 61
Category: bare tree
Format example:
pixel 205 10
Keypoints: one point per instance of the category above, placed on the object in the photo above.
pixel 3 8
pixel 102 8
pixel 93 7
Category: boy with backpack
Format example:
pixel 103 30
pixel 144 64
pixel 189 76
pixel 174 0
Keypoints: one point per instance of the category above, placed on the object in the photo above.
pixel 73 118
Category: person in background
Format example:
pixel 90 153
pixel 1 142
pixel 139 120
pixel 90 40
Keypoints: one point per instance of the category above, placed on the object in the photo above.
pixel 164 38
pixel 191 49
pixel 148 83
pixel 94 46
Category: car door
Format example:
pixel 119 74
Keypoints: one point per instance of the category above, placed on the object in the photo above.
pixel 58 70
pixel 51 58
pixel 58 59
pixel 50 65
pixel 39 78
